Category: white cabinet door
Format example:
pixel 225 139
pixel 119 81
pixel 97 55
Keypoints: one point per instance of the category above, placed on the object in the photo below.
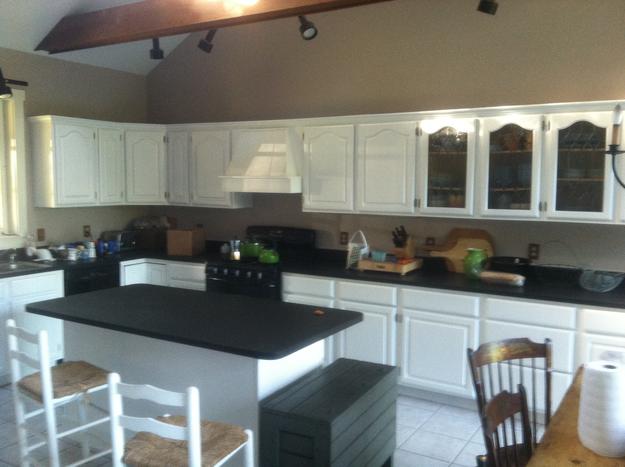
pixel 386 168
pixel 75 164
pixel 186 276
pixel 434 351
pixel 329 169
pixel 111 160
pixel 134 273
pixel 34 288
pixel 601 347
pixel 5 313
pixel 210 153
pixel 509 166
pixel 145 167
pixel 157 274
pixel 446 155
pixel 579 183
pixel 373 339
pixel 178 167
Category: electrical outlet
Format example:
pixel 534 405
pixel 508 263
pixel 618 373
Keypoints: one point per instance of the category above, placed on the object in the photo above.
pixel 41 235
pixel 533 251
pixel 86 231
pixel 344 238
pixel 430 241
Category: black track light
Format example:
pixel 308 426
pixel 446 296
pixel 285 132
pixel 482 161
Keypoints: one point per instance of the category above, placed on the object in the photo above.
pixel 156 53
pixel 5 90
pixel 488 6
pixel 206 44
pixel 307 29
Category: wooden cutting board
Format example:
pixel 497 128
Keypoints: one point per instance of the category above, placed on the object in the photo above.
pixel 458 241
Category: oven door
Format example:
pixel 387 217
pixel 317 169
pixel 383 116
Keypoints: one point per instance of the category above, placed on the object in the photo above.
pixel 239 287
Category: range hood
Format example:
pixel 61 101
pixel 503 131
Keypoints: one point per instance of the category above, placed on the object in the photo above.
pixel 264 161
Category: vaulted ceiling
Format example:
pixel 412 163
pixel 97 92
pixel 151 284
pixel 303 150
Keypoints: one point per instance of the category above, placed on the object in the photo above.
pixel 23 23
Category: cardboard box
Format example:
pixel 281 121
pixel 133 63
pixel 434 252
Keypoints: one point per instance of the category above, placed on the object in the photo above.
pixel 185 242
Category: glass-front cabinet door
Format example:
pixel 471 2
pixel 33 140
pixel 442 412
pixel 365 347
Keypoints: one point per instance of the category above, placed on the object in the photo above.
pixel 509 166
pixel 446 154
pixel 580 183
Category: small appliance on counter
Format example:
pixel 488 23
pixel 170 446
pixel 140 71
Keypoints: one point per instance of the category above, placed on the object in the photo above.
pixel 126 239
pixel 261 276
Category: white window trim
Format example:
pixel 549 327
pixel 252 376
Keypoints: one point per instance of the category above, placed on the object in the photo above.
pixel 17 181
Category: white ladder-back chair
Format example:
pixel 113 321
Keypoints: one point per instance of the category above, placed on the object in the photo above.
pixel 157 441
pixel 50 388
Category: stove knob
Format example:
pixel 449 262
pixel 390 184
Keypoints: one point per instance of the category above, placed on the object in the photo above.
pixel 248 274
pixel 225 272
pixel 259 275
pixel 237 273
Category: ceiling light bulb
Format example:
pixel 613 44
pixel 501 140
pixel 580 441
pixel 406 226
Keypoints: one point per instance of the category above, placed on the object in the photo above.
pixel 307 29
pixel 206 44
pixel 488 6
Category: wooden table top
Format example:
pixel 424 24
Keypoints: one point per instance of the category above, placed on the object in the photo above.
pixel 561 447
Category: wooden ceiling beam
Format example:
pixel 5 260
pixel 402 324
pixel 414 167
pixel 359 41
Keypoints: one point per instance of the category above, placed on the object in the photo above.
pixel 158 18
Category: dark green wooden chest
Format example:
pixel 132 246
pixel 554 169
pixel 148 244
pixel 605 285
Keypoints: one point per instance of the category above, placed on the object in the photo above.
pixel 339 416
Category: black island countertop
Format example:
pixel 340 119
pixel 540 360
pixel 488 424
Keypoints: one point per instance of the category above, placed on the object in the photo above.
pixel 252 327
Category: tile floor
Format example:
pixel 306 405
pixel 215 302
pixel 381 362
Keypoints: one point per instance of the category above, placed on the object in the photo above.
pixel 429 434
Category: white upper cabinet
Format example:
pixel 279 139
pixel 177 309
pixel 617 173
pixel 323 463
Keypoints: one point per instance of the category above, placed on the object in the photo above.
pixel 509 166
pixel 146 177
pixel 178 167
pixel 65 162
pixel 329 169
pixel 579 183
pixel 386 168
pixel 210 154
pixel 111 161
pixel 446 163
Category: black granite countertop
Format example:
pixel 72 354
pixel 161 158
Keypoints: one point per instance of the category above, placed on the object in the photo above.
pixel 252 327
pixel 331 263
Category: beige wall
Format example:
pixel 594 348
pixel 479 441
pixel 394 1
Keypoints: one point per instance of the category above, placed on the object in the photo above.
pixel 403 55
pixel 71 89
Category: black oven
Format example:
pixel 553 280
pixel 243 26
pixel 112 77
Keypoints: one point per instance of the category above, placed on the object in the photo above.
pixel 87 277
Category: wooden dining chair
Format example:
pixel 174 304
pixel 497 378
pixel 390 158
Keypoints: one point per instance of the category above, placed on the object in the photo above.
pixel 504 418
pixel 500 366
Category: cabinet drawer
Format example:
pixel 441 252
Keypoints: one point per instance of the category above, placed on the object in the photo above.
pixel 306 300
pixel 562 341
pixel 367 293
pixel 521 311
pixel 602 321
pixel 186 273
pixel 301 285
pixel 439 302
pixel 38 284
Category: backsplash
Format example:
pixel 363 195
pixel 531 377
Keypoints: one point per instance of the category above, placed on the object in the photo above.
pixel 587 245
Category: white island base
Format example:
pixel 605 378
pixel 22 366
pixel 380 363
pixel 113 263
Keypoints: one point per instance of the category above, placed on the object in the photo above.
pixel 230 386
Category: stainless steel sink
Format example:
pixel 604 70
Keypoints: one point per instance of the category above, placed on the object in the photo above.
pixel 20 266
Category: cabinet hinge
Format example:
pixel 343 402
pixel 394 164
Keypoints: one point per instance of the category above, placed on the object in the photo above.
pixel 416 203
pixel 546 125
pixel 94 135
pixel 399 318
pixel 418 131
pixel 165 139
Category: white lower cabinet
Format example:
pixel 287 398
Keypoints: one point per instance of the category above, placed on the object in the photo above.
pixel 436 330
pixel 15 294
pixel 186 276
pixel 602 335
pixel 166 273
pixel 311 291
pixel 375 338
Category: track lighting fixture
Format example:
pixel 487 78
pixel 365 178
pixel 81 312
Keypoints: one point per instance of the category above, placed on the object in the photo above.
pixel 488 6
pixel 156 53
pixel 5 90
pixel 307 29
pixel 206 44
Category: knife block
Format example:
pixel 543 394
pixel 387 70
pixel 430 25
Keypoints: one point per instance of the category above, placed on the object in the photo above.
pixel 407 251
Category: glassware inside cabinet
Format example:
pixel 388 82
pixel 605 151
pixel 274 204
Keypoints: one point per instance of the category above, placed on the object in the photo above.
pixel 510 168
pixel 581 164
pixel 447 168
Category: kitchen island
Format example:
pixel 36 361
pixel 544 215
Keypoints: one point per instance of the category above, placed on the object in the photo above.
pixel 235 349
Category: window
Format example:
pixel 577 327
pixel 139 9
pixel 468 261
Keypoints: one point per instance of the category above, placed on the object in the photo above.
pixel 12 171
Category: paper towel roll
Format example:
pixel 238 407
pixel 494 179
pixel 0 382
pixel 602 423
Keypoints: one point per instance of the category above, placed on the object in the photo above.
pixel 601 423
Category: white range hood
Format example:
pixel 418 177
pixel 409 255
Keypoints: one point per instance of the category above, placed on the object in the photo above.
pixel 264 161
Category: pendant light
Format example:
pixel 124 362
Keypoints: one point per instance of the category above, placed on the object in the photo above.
pixel 307 29
pixel 5 90
pixel 488 6
pixel 206 44
pixel 156 53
